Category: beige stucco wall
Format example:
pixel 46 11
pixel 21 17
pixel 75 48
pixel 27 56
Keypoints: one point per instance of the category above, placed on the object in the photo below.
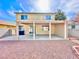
pixel 13 31
pixel 7 26
pixel 3 26
pixel 12 28
pixel 32 17
pixel 26 28
pixel 59 30
pixel 40 31
pixel 52 29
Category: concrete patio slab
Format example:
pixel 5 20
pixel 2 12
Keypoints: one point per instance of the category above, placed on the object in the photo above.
pixel 31 38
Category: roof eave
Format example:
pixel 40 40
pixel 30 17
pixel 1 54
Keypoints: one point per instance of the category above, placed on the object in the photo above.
pixel 34 13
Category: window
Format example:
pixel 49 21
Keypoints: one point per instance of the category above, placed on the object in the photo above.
pixel 24 17
pixel 21 28
pixel 48 17
pixel 73 26
pixel 45 28
pixel 31 29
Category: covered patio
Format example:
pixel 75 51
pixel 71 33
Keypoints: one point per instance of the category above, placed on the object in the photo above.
pixel 43 30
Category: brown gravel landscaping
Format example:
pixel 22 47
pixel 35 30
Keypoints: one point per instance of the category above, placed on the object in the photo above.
pixel 36 49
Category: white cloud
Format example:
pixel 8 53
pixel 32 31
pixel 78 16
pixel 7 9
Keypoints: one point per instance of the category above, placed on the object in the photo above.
pixel 11 12
pixel 22 7
pixel 20 11
pixel 32 10
pixel 43 5
pixel 69 6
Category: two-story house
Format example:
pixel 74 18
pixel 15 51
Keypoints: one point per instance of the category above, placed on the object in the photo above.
pixel 39 25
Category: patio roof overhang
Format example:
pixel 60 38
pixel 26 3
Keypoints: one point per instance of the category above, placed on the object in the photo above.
pixel 30 22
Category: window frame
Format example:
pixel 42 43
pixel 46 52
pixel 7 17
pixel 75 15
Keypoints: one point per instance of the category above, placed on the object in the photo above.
pixel 24 17
pixel 48 17
pixel 44 28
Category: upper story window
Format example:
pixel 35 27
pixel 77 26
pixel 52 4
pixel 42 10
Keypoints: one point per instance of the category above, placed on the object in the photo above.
pixel 48 17
pixel 24 17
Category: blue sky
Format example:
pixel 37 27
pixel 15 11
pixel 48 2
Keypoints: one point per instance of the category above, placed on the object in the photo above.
pixel 8 7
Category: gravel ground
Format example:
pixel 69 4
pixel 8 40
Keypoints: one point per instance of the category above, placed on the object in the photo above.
pixel 36 50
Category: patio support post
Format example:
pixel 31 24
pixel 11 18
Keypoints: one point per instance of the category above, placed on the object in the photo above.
pixel 65 30
pixel 17 30
pixel 34 30
pixel 50 30
pixel 26 33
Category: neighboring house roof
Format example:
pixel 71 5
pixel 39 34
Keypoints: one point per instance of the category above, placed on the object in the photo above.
pixel 76 19
pixel 6 23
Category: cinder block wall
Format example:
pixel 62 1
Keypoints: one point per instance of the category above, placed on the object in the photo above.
pixel 73 32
